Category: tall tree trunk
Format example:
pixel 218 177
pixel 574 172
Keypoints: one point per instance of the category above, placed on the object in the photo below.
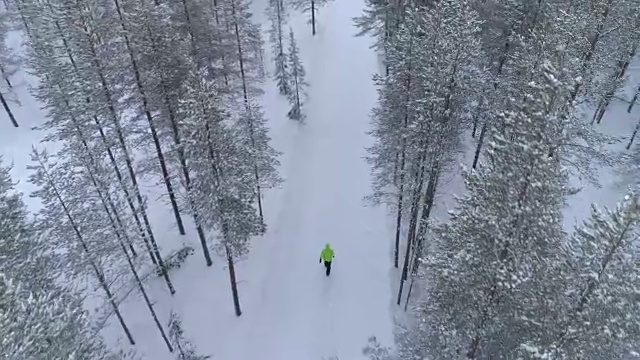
pixel 476 156
pixel 403 149
pixel 129 162
pixel 146 298
pixel 399 211
pixel 154 132
pixel 622 69
pixel 6 77
pixel 232 280
pixel 415 207
pixel 313 17
pixel 8 110
pixel 98 273
pixel 427 206
pixel 245 95
pixel 633 101
pixel 633 136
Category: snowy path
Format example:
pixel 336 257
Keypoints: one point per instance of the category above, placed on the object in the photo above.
pixel 302 314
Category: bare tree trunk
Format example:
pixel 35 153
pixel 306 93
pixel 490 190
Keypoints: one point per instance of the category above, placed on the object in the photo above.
pixel 6 77
pixel 99 276
pixel 146 298
pixel 399 212
pixel 232 279
pixel 8 110
pixel 427 206
pixel 476 156
pixel 414 212
pixel 248 109
pixel 313 17
pixel 633 136
pixel 633 101
pixel 154 132
pixel 602 106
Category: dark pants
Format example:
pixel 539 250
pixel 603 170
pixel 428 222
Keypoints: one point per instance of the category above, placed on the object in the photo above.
pixel 327 264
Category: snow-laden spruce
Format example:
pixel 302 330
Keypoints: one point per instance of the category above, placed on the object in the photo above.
pixel 8 66
pixel 421 109
pixel 185 350
pixel 39 319
pixel 491 267
pixel 598 316
pixel 80 90
pixel 277 13
pixel 297 78
pixel 222 165
pixel 310 7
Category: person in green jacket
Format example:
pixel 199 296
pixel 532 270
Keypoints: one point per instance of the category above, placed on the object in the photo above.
pixel 327 255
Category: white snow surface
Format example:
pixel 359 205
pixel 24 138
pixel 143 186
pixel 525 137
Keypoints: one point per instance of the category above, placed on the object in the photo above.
pixel 291 310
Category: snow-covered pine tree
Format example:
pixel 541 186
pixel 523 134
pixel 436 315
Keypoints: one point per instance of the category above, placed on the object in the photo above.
pixel 249 118
pixel 311 7
pixel 488 269
pixel 160 54
pixel 81 33
pixel 619 49
pixel 298 83
pixel 8 63
pixel 49 323
pixel 597 315
pixel 277 13
pixel 222 167
pixel 375 21
pixel 141 108
pixel 70 208
pixel 507 26
pixel 392 117
pixel 39 318
pixel 447 74
pixel 185 349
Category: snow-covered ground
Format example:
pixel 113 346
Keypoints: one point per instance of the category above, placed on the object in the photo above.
pixel 291 310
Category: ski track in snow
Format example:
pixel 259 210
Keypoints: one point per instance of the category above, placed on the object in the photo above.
pixel 296 311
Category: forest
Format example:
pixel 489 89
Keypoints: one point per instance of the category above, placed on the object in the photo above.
pixel 506 94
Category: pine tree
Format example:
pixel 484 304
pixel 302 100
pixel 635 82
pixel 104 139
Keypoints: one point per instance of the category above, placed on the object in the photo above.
pixel 278 16
pixel 249 118
pixel 298 83
pixel 39 318
pixel 311 7
pixel 8 63
pixel 46 324
pixel 223 182
pixel 494 258
pixel 186 350
pixel 597 315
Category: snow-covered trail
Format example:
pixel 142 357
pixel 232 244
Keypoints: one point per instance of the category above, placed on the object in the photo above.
pixel 298 312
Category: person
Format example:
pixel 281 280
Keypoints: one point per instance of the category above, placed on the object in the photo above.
pixel 327 255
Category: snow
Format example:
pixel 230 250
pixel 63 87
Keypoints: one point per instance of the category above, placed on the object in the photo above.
pixel 291 310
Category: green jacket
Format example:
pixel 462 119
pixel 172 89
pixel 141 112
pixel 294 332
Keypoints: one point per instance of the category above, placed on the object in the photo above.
pixel 327 253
